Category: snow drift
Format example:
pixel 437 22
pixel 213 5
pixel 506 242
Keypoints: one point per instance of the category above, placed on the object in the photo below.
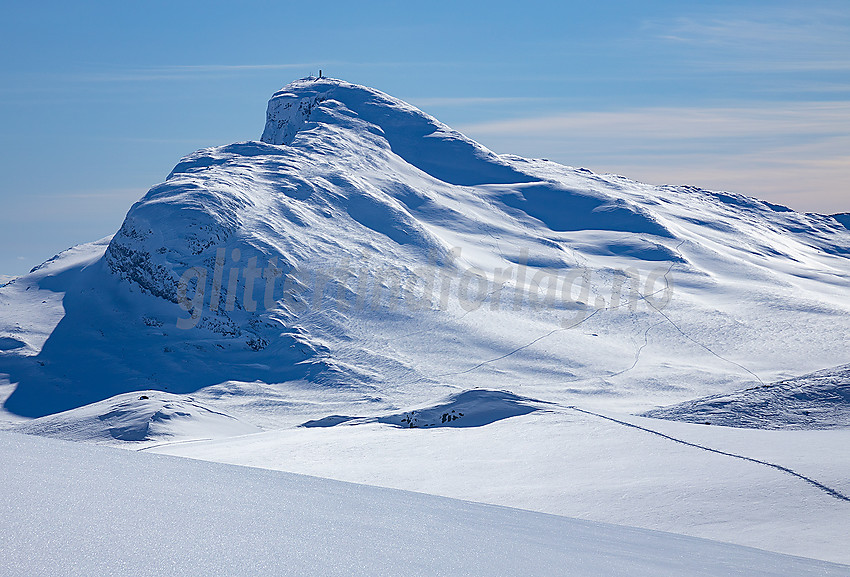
pixel 820 400
pixel 140 417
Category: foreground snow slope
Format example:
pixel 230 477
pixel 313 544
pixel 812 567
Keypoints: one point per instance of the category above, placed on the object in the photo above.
pixel 72 509
pixel 568 462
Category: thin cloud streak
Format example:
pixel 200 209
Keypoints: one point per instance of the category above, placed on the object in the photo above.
pixel 816 29
pixel 171 73
pixel 206 71
pixel 793 153
pixel 762 65
pixel 804 39
pixel 768 119
pixel 472 100
pixel 232 67
pixel 120 193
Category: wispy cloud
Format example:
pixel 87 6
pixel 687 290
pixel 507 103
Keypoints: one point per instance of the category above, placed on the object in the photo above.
pixel 233 67
pixel 796 153
pixel 113 193
pixel 205 71
pixel 199 142
pixel 807 38
pixel 762 119
pixel 471 100
pixel 178 72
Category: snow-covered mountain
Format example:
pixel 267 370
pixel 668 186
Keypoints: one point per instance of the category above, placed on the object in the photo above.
pixel 389 259
pixel 363 268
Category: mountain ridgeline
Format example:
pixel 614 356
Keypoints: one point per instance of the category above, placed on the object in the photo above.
pixel 364 250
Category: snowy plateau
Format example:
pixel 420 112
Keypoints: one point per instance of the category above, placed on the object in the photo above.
pixel 366 344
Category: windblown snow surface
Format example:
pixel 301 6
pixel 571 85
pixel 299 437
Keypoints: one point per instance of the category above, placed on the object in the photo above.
pixel 368 295
pixel 118 513
pixel 820 400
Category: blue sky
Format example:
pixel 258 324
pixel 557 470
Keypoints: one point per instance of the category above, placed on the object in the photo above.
pixel 98 101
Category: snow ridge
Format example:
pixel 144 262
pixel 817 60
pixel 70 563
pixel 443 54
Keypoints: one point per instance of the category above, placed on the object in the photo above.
pixel 819 400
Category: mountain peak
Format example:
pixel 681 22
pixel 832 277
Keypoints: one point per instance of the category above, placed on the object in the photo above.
pixel 291 108
pixel 313 104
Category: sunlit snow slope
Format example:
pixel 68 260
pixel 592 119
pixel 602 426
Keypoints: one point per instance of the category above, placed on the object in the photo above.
pixel 367 257
pixel 367 294
pixel 81 510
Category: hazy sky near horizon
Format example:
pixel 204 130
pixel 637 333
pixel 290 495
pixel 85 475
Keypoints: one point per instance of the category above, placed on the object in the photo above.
pixel 99 100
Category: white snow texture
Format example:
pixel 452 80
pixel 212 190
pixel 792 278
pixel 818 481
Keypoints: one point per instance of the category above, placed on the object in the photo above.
pixel 367 295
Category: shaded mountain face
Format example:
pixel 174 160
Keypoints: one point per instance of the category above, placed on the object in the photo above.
pixel 819 400
pixel 365 252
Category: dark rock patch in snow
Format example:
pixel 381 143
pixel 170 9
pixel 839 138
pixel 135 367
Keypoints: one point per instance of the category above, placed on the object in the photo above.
pixel 474 408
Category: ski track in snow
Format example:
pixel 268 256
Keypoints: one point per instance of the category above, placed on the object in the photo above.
pixel 683 333
pixel 649 328
pixel 137 516
pixel 518 349
pixel 707 348
pixel 828 490
pixel 640 349
pixel 552 332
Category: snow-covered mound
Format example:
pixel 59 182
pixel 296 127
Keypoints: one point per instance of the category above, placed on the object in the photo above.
pixel 474 408
pixel 81 510
pixel 145 417
pixel 364 253
pixel 819 400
